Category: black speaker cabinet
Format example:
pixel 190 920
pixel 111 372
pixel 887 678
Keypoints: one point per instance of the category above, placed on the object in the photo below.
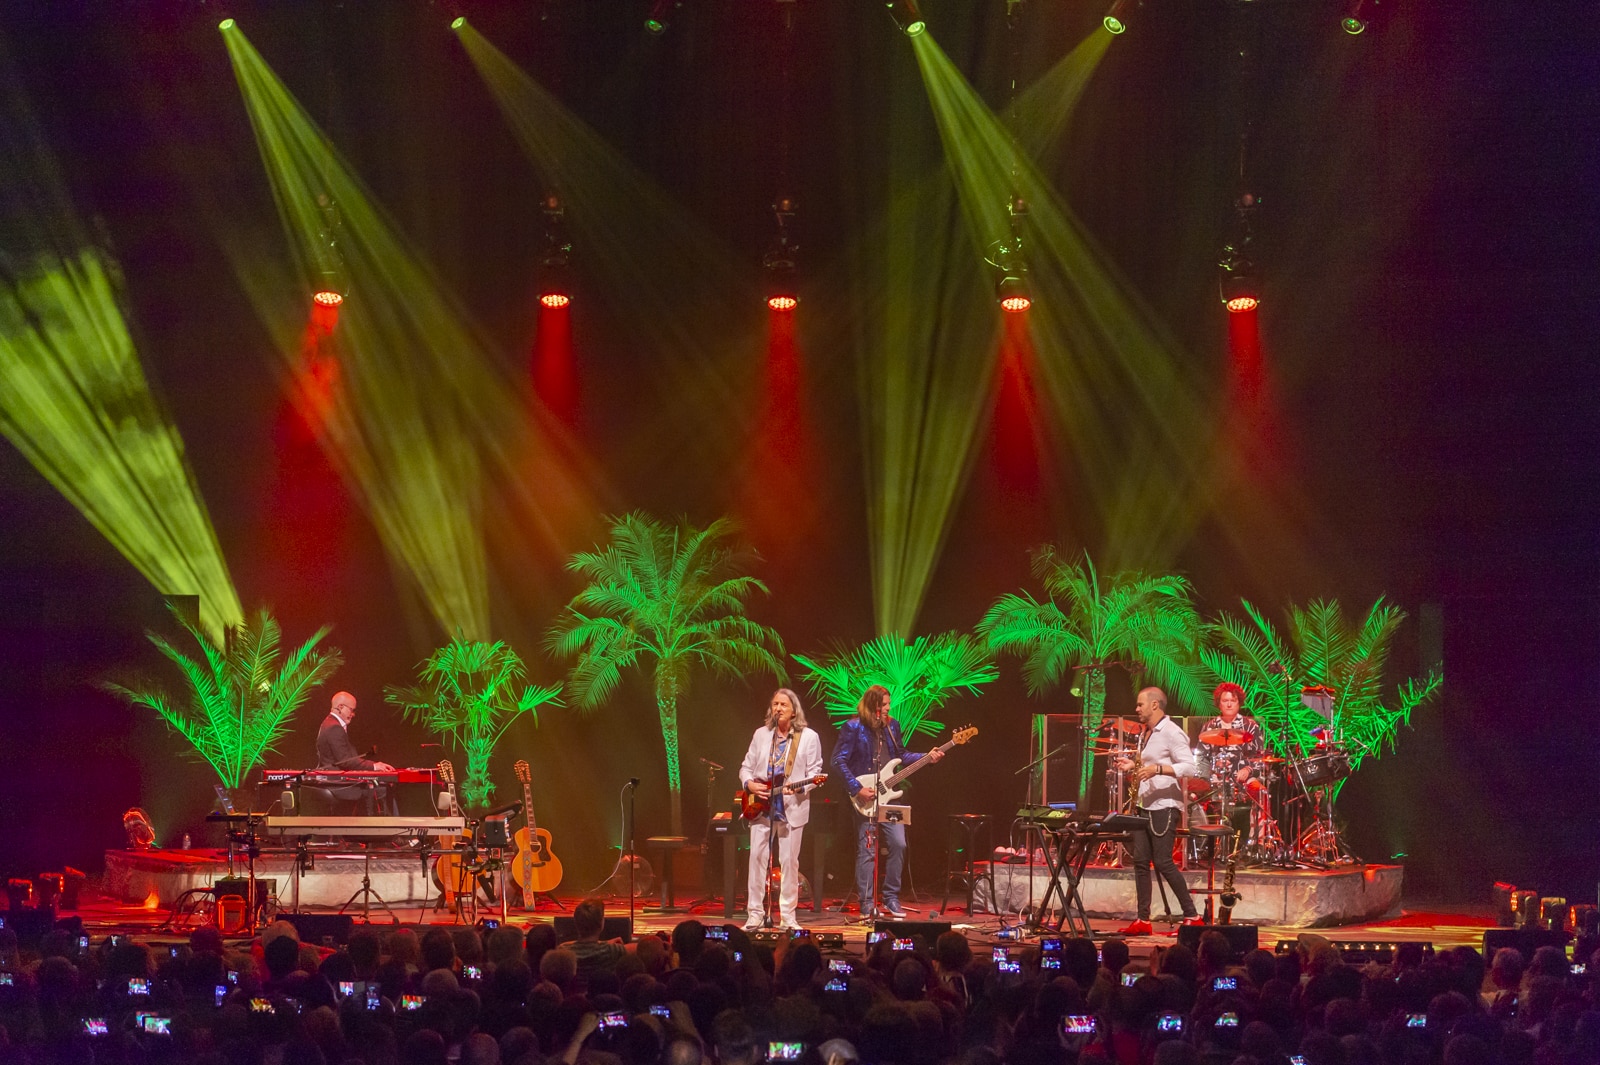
pixel 929 930
pixel 239 886
pixel 615 928
pixel 1241 937
pixel 1525 940
pixel 322 929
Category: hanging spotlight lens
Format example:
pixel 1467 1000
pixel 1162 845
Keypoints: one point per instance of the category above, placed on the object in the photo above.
pixel 907 16
pixel 458 22
pixel 225 24
pixel 1353 21
pixel 1116 20
pixel 1012 292
pixel 327 297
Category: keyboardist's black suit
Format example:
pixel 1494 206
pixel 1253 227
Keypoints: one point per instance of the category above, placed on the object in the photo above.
pixel 335 751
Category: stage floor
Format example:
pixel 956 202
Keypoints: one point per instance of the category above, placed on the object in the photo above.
pixel 138 889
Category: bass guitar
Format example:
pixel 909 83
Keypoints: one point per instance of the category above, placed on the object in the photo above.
pixel 536 869
pixel 883 782
pixel 753 807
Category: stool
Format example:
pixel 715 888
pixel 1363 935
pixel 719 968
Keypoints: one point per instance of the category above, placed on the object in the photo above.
pixel 667 848
pixel 963 840
pixel 1216 834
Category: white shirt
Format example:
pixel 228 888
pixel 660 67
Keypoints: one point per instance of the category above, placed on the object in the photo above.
pixel 807 764
pixel 1166 745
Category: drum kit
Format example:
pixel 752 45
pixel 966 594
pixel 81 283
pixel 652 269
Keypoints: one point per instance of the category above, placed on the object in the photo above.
pixel 1298 788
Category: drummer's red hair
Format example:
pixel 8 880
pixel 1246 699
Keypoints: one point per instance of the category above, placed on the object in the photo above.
pixel 1222 689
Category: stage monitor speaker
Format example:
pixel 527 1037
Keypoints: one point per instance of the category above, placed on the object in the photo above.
pixel 615 928
pixel 239 886
pixel 1525 940
pixel 1242 938
pixel 929 930
pixel 322 929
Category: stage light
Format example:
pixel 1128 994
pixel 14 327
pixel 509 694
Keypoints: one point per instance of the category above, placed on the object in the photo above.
pixel 1012 292
pixel 1116 20
pixel 225 24
pixel 458 22
pixel 779 261
pixel 906 16
pixel 1353 21
pixel 555 275
pixel 1236 278
pixel 660 15
pixel 327 297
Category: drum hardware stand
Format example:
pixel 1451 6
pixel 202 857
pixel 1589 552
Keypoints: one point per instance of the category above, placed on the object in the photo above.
pixel 1028 836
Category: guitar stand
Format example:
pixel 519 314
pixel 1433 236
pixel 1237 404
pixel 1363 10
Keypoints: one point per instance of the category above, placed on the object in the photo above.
pixel 365 892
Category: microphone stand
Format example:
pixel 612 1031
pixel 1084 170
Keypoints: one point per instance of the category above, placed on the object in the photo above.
pixel 633 862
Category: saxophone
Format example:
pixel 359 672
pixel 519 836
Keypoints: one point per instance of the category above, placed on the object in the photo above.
pixel 1229 897
pixel 1133 775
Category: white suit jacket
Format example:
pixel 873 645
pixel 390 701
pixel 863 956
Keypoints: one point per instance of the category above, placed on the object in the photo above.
pixel 807 763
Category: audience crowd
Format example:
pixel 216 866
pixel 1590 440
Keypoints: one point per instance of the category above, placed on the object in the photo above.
pixel 713 996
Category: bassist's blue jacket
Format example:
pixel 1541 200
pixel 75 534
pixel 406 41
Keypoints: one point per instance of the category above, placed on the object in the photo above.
pixel 863 750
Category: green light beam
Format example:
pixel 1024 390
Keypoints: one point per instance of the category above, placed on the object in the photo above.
pixel 1136 417
pixel 664 282
pixel 419 407
pixel 74 398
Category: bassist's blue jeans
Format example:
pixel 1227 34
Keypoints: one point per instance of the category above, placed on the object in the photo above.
pixel 894 837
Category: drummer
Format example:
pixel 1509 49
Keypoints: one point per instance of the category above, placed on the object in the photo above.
pixel 1233 740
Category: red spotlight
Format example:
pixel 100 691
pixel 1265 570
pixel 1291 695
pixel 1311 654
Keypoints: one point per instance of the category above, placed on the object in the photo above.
pixel 555 300
pixel 1015 304
pixel 1240 304
pixel 782 303
pixel 328 297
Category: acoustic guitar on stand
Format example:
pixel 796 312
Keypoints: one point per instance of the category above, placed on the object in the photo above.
pixel 883 783
pixel 753 807
pixel 536 869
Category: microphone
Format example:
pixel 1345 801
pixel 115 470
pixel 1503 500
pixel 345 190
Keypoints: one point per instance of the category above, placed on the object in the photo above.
pixel 709 762
pixel 633 782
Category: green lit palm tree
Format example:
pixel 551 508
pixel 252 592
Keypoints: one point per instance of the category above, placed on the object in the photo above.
pixel 1089 623
pixel 1322 650
pixel 669 596
pixel 240 696
pixel 921 675
pixel 471 692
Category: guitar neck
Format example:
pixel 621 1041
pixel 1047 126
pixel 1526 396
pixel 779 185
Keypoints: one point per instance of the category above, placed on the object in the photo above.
pixel 527 805
pixel 918 764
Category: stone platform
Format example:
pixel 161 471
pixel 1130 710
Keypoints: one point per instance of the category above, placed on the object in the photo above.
pixel 1301 898
pixel 397 876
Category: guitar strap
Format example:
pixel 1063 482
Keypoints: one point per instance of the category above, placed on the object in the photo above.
pixel 794 749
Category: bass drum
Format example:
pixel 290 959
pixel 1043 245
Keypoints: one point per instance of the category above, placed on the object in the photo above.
pixel 1328 766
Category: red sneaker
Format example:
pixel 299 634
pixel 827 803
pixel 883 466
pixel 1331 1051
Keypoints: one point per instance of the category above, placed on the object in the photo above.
pixel 1137 928
pixel 1194 922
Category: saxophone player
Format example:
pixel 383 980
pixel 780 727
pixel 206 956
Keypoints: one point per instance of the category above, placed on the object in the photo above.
pixel 1164 760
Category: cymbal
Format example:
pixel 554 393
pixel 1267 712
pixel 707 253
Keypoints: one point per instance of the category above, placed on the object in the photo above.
pixel 1127 728
pixel 1225 737
pixel 1270 759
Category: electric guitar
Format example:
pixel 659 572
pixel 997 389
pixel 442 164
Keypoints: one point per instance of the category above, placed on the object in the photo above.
pixel 884 781
pixel 536 869
pixel 753 807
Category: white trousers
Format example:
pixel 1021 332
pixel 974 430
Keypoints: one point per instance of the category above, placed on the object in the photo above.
pixel 788 860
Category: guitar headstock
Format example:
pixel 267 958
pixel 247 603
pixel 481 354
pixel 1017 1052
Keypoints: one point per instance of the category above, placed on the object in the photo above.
pixel 524 775
pixel 446 771
pixel 963 735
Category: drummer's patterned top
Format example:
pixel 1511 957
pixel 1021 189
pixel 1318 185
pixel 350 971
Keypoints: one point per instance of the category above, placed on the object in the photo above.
pixel 1226 761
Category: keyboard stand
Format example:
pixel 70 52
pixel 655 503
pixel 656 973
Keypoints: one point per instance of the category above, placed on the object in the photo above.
pixel 365 892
